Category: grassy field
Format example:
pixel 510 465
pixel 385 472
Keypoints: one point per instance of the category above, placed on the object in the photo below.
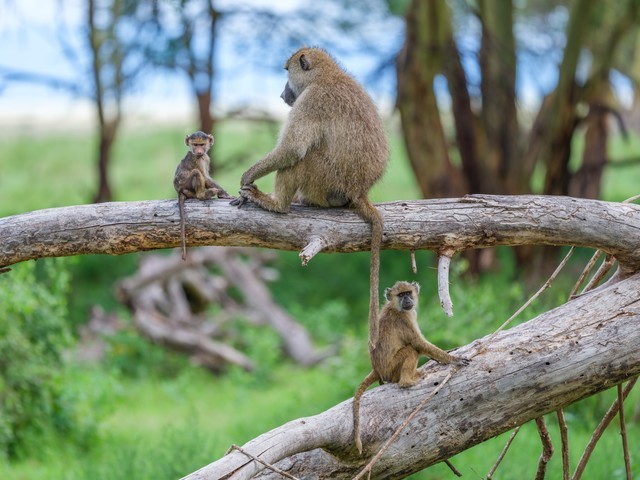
pixel 159 418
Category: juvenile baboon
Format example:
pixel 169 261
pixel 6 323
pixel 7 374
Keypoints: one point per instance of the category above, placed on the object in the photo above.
pixel 394 354
pixel 192 178
pixel 330 152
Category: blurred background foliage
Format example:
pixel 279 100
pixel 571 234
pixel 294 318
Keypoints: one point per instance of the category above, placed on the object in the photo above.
pixel 484 96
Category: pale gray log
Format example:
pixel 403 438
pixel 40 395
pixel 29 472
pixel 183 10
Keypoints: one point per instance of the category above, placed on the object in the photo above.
pixel 470 222
pixel 578 349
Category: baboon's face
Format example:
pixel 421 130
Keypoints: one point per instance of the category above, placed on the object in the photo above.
pixel 406 300
pixel 199 143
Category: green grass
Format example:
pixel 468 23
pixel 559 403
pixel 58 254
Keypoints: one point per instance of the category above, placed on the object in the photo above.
pixel 54 171
pixel 166 428
pixel 164 420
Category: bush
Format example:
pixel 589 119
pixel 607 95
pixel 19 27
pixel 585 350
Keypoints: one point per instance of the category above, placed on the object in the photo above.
pixel 33 335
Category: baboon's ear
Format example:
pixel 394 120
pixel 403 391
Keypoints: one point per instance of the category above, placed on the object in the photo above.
pixel 304 63
pixel 387 294
pixel 210 137
pixel 186 140
pixel 416 286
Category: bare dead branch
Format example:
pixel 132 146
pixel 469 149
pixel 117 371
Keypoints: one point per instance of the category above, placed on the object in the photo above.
pixel 564 438
pixel 587 269
pixel 268 465
pixel 503 453
pixel 444 262
pixel 547 448
pixel 600 273
pixel 315 246
pixel 546 285
pixel 452 467
pixel 623 433
pixel 474 221
pixel 602 426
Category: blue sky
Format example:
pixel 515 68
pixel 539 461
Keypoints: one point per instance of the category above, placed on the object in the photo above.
pixel 28 42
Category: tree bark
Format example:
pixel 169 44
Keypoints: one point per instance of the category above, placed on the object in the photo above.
pixel 473 221
pixel 576 350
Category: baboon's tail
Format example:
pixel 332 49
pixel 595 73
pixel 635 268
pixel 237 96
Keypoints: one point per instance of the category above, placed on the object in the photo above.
pixel 183 237
pixel 370 214
pixel 369 380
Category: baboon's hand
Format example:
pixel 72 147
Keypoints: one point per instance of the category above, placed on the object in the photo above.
pixel 224 195
pixel 238 201
pixel 461 361
pixel 246 194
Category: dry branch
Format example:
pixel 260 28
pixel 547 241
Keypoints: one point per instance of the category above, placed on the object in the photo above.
pixel 165 313
pixel 576 350
pixel 470 222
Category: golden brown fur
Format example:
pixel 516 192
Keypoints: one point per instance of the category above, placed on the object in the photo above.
pixel 192 179
pixel 330 152
pixel 394 356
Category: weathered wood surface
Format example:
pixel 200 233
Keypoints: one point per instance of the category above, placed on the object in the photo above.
pixel 456 224
pixel 578 349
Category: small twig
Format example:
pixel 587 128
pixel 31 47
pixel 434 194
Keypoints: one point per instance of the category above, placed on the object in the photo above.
pixel 623 433
pixel 599 275
pixel 503 453
pixel 4 270
pixel 268 465
pixel 587 269
pixel 414 266
pixel 546 285
pixel 602 426
pixel 547 448
pixel 444 261
pixel 368 468
pixel 313 247
pixel 455 471
pixel 564 438
pixel 632 199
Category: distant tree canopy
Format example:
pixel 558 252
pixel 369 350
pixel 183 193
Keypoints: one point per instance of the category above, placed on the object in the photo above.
pixel 477 48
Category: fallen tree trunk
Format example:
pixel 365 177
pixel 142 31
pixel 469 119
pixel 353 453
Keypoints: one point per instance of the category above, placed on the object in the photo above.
pixel 473 221
pixel 167 297
pixel 574 351
pixel 578 349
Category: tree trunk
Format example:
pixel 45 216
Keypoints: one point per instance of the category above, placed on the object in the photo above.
pixel 500 119
pixel 519 375
pixel 204 111
pixel 107 137
pixel 466 122
pixel 562 119
pixel 586 181
pixel 418 63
